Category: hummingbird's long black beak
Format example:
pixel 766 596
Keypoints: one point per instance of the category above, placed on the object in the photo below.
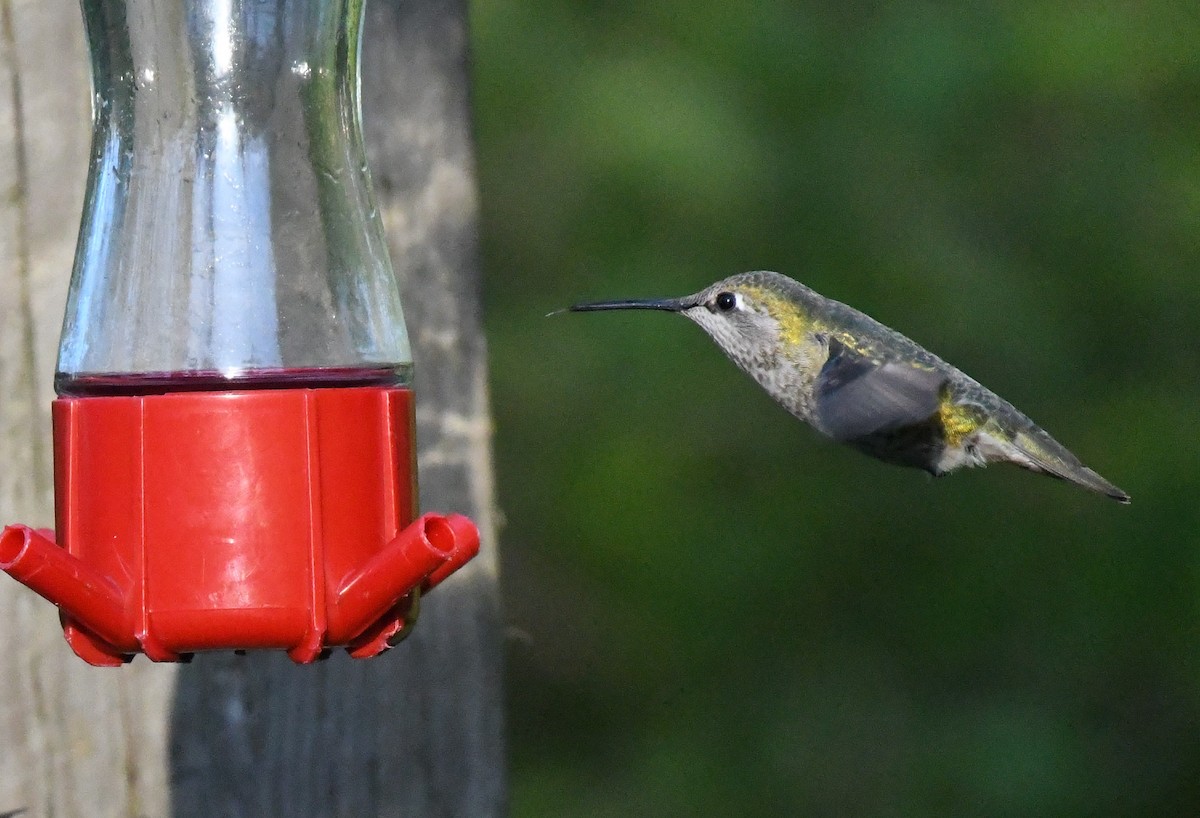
pixel 664 304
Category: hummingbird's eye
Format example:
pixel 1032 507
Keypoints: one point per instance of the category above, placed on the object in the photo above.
pixel 726 301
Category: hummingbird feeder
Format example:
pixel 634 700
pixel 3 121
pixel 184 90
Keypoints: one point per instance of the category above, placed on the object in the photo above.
pixel 234 448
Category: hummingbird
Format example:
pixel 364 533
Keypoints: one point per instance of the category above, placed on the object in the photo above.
pixel 861 383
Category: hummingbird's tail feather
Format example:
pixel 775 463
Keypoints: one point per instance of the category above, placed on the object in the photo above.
pixel 1037 451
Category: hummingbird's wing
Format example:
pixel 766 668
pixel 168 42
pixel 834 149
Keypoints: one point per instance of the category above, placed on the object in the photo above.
pixel 857 396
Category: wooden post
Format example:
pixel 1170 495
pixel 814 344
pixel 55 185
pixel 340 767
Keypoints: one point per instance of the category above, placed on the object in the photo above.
pixel 415 732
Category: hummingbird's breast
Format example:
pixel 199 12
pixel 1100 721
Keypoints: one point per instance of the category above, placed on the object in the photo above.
pixel 787 372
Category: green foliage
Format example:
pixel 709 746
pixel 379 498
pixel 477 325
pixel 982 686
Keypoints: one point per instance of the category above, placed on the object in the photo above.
pixel 726 616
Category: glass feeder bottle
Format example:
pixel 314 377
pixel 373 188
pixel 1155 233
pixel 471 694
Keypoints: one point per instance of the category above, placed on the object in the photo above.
pixel 229 236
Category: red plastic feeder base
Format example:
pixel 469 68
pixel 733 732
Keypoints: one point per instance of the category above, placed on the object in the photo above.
pixel 256 519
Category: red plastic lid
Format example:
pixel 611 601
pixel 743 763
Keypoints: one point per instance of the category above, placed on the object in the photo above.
pixel 238 520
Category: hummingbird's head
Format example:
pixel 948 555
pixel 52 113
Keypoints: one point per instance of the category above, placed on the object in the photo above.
pixel 754 317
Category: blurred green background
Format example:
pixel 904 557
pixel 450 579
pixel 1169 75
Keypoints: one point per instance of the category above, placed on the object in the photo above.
pixel 714 612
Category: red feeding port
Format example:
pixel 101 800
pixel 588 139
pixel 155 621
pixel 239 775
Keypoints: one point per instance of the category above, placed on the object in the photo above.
pixel 279 519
